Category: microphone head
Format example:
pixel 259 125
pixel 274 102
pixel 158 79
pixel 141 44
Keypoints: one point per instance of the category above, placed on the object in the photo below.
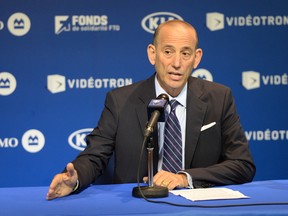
pixel 159 104
pixel 163 96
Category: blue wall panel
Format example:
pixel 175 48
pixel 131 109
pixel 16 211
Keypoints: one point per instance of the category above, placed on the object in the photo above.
pixel 87 48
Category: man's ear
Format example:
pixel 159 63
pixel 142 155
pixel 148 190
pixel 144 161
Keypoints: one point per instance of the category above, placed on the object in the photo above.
pixel 198 57
pixel 151 51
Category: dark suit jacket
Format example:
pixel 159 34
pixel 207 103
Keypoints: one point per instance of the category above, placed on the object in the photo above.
pixel 219 155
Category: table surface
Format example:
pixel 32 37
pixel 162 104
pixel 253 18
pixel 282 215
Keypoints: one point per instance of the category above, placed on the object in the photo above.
pixel 118 200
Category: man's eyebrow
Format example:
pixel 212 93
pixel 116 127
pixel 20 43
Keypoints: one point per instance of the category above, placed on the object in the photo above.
pixel 168 46
pixel 186 48
pixel 183 48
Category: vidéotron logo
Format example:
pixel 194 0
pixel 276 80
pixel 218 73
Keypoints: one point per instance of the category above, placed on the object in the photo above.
pixel 202 73
pixel 253 80
pixel 78 23
pixel 250 79
pixel 19 24
pixel 32 140
pixel 7 83
pixel 77 139
pixel 216 21
pixel 151 21
pixel 57 83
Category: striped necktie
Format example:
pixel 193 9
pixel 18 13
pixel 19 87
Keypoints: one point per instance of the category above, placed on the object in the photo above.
pixel 172 154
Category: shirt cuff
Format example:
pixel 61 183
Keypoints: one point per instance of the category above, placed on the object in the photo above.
pixel 76 186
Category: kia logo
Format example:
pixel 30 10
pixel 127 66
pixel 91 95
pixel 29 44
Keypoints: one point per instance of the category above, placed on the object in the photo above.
pixel 151 21
pixel 77 139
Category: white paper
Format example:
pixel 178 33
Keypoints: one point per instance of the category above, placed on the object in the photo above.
pixel 209 194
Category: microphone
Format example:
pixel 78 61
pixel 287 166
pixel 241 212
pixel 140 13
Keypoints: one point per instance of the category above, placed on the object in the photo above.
pixel 155 110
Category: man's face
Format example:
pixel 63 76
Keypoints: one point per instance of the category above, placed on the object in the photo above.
pixel 174 56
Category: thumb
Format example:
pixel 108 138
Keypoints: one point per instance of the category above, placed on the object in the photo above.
pixel 70 169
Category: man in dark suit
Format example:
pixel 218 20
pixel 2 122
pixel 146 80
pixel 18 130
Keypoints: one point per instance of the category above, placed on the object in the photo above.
pixel 215 150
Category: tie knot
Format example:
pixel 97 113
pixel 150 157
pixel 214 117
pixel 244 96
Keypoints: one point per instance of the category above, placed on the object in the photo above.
pixel 173 103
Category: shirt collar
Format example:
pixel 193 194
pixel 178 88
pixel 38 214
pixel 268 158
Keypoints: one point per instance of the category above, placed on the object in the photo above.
pixel 181 98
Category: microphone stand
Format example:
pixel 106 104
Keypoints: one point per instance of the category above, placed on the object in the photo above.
pixel 150 191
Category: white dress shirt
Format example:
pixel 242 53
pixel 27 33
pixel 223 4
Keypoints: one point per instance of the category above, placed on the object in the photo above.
pixel 181 115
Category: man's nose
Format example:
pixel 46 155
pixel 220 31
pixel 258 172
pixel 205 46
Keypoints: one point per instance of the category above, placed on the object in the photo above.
pixel 176 63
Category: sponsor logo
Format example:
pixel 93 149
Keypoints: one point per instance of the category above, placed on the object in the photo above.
pixel 250 80
pixel 267 135
pixel 33 141
pixel 83 23
pixel 202 74
pixel 19 24
pixel 253 80
pixel 150 22
pixel 217 21
pixel 1 25
pixel 157 102
pixel 77 139
pixel 61 24
pixel 57 83
pixel 8 142
pixel 7 83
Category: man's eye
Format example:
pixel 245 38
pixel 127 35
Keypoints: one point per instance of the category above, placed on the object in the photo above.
pixel 186 55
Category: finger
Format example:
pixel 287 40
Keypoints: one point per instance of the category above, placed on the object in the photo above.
pixel 145 179
pixel 162 178
pixel 166 179
pixel 54 186
pixel 177 180
pixel 55 182
pixel 51 194
pixel 159 176
pixel 173 184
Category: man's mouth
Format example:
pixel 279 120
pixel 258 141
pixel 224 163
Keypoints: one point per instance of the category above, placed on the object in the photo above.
pixel 175 75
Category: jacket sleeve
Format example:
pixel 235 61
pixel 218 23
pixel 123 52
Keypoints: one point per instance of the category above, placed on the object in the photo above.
pixel 92 162
pixel 235 164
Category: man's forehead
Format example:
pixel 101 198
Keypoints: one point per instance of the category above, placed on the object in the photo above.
pixel 177 42
pixel 176 34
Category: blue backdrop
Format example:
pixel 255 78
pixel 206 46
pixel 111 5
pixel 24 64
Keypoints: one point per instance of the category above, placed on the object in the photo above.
pixel 58 59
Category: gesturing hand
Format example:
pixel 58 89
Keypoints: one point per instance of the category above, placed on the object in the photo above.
pixel 63 183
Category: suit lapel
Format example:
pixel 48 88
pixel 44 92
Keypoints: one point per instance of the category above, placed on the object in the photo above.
pixel 196 109
pixel 146 93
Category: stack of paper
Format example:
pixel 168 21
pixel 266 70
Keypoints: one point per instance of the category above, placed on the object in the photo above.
pixel 209 194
